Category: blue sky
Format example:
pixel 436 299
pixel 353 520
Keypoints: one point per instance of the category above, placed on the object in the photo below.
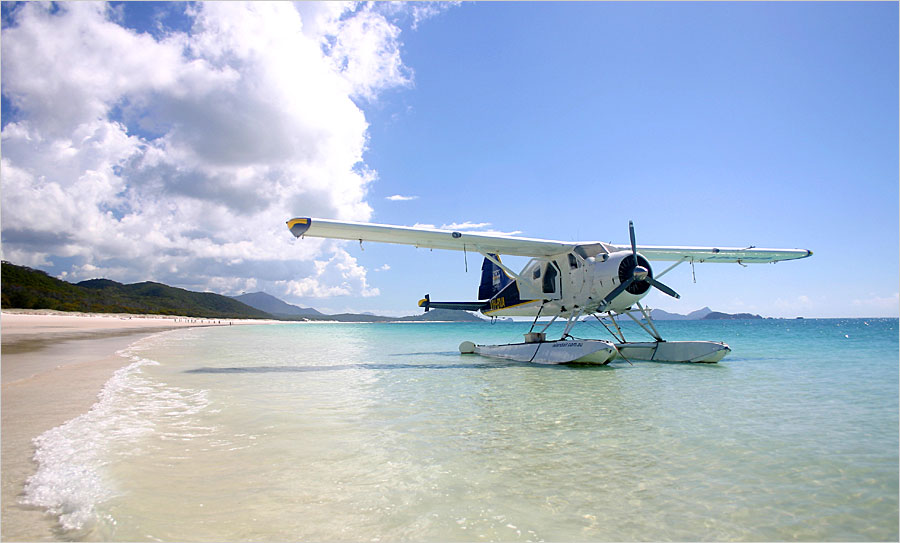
pixel 767 124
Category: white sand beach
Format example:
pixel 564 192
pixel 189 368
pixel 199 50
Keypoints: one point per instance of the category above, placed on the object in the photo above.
pixel 53 366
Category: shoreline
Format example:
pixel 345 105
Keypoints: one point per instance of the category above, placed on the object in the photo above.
pixel 54 365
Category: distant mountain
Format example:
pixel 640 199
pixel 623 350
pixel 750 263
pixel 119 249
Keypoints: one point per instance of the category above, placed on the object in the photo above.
pixel 444 315
pixel 660 315
pixel 701 314
pixel 279 308
pixel 27 288
pixel 435 315
pixel 715 315
pixel 271 304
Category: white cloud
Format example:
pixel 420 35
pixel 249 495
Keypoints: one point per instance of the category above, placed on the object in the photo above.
pixel 338 276
pixel 417 11
pixel 400 198
pixel 366 52
pixel 478 227
pixel 878 304
pixel 465 225
pixel 178 158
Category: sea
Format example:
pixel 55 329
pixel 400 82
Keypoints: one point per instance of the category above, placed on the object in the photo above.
pixel 384 432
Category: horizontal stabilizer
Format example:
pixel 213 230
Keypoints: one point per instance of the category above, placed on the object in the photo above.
pixel 459 306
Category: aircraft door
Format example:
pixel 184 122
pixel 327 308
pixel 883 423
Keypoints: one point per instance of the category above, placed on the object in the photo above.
pixel 551 285
pixel 575 276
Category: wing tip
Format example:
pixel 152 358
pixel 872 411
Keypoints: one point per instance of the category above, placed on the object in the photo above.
pixel 298 226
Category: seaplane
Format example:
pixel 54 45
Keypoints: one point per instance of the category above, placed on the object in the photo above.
pixel 563 280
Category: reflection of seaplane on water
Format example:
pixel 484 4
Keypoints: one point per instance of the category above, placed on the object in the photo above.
pixel 562 280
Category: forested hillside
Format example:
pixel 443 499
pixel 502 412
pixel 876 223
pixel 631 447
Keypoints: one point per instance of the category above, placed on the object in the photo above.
pixel 27 288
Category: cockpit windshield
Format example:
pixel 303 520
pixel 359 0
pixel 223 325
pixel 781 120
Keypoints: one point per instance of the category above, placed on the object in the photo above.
pixel 590 249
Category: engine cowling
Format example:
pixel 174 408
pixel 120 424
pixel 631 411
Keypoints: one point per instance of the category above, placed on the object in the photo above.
pixel 616 269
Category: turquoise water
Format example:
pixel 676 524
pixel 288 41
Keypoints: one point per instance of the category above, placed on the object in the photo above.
pixel 383 432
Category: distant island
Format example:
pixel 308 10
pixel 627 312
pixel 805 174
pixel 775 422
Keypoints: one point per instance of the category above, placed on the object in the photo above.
pixel 285 311
pixel 27 288
pixel 273 306
pixel 715 315
pixel 700 315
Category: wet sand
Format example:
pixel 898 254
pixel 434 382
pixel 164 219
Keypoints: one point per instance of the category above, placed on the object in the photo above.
pixel 53 366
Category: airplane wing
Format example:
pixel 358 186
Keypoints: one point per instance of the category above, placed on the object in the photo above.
pixel 427 237
pixel 748 255
pixel 430 238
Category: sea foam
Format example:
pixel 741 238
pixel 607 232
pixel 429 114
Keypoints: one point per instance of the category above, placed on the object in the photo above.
pixel 70 481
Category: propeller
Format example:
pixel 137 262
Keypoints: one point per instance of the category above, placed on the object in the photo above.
pixel 639 274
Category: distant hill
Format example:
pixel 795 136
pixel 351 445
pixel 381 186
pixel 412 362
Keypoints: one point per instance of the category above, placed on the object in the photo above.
pixel 27 288
pixel 701 314
pixel 435 315
pixel 715 315
pixel 272 305
pixel 445 315
pixel 281 309
pixel 660 315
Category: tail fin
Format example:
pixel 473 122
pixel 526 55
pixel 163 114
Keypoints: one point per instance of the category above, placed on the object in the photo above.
pixel 493 279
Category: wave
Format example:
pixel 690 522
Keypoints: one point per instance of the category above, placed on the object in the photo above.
pixel 71 480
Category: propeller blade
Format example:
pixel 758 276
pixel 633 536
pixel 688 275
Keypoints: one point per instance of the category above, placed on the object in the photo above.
pixel 663 288
pixel 618 290
pixel 633 245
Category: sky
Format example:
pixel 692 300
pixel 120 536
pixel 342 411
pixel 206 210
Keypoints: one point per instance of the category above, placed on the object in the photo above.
pixel 170 142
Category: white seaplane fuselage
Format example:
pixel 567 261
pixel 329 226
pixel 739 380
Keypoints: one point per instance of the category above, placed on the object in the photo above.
pixel 576 284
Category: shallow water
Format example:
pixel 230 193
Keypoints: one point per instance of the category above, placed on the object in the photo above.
pixel 383 432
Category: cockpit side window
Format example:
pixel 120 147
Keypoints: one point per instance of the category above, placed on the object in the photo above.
pixel 573 262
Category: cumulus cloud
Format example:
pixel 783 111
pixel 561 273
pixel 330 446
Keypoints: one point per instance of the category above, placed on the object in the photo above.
pixel 879 303
pixel 338 276
pixel 177 156
pixel 465 225
pixel 478 227
pixel 418 11
pixel 474 227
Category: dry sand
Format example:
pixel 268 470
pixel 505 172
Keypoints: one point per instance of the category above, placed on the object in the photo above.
pixel 53 366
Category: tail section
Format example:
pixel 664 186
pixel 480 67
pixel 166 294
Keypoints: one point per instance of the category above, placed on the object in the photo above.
pixel 493 279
